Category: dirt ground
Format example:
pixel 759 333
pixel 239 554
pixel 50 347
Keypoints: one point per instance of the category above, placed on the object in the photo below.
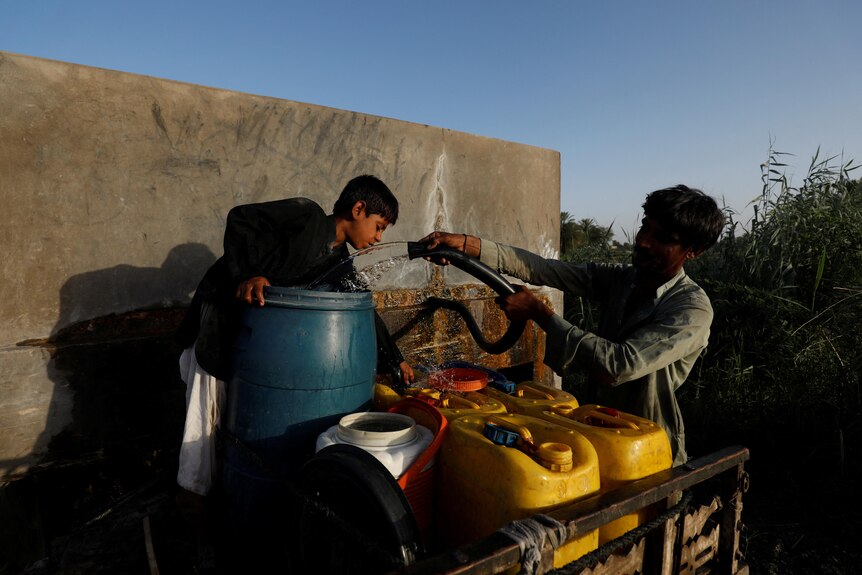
pixel 107 535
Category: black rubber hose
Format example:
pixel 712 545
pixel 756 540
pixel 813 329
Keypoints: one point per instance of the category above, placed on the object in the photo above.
pixel 465 263
pixel 510 338
pixel 484 274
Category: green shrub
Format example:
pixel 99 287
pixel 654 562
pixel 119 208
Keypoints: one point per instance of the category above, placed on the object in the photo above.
pixel 787 293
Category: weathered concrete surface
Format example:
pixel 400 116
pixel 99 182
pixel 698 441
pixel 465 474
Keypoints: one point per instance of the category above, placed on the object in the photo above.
pixel 115 188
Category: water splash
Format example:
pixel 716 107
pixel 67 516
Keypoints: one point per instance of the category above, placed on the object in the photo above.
pixel 359 271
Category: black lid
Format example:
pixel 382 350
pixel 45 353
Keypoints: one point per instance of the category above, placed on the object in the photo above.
pixel 354 518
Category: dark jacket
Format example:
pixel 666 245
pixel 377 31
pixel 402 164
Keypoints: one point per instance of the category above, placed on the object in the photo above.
pixel 287 242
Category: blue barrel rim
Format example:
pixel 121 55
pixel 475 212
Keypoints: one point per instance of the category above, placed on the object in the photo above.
pixel 323 300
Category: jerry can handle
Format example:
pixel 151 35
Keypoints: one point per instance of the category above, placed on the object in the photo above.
pixel 424 395
pixel 611 420
pixel 523 390
pixel 421 392
pixel 564 409
pixel 455 402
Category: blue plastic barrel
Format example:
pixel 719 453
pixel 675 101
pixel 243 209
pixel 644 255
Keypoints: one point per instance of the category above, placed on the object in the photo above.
pixel 300 363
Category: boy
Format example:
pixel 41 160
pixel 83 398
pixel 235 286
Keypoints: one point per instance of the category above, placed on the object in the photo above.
pixel 287 242
pixel 655 320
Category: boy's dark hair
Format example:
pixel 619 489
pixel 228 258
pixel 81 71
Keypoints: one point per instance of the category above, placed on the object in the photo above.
pixel 688 212
pixel 369 189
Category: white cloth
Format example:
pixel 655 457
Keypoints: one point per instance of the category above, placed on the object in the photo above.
pixel 205 397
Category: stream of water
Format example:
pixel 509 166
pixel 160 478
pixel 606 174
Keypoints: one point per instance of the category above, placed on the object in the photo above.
pixel 362 269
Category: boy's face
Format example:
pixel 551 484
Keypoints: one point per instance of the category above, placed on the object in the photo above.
pixel 658 251
pixel 364 230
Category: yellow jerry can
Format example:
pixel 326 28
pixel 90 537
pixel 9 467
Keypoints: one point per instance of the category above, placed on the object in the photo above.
pixel 531 398
pixel 384 397
pixel 530 466
pixel 452 404
pixel 629 448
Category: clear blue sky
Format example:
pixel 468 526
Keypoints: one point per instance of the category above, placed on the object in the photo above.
pixel 635 95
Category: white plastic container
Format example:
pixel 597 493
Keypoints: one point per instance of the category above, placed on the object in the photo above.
pixel 392 438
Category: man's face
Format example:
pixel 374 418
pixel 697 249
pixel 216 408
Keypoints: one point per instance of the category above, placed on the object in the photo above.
pixel 364 231
pixel 658 251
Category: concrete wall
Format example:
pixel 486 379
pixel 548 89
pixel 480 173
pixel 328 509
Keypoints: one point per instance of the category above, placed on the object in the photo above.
pixel 115 187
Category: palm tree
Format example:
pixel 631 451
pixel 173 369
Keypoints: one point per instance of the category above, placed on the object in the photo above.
pixel 574 234
pixel 595 234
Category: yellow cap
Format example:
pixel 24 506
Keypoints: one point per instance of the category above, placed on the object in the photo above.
pixel 555 456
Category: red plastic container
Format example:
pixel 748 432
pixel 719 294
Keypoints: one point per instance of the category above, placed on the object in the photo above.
pixel 458 379
pixel 419 480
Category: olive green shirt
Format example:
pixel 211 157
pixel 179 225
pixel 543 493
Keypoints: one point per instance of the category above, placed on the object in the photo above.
pixel 638 360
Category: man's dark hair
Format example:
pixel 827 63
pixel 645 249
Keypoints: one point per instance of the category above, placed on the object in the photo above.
pixel 688 212
pixel 369 189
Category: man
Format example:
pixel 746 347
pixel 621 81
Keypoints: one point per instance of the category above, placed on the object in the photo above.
pixel 655 320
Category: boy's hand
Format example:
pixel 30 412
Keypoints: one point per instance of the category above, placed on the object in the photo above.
pixel 252 289
pixel 407 373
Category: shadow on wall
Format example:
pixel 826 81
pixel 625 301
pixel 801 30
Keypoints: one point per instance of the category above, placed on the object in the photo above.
pixel 118 365
pixel 116 415
pixel 124 287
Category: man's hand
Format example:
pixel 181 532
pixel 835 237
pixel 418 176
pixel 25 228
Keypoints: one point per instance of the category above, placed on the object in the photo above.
pixel 461 242
pixel 252 289
pixel 523 305
pixel 435 239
